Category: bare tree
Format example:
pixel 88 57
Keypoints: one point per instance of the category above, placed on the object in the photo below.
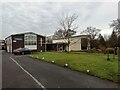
pixel 49 39
pixel 92 32
pixel 116 27
pixel 59 34
pixel 67 27
pixel 106 37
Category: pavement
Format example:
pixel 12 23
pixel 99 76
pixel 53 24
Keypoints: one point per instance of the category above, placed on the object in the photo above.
pixel 21 71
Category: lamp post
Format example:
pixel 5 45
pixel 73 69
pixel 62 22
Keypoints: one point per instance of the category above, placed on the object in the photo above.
pixel 108 55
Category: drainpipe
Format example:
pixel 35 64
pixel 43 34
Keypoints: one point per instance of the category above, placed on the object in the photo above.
pixel 45 43
pixel 57 47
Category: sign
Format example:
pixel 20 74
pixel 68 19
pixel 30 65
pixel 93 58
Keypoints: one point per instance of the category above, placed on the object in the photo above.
pixel 14 40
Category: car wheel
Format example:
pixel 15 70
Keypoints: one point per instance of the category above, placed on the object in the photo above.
pixel 15 54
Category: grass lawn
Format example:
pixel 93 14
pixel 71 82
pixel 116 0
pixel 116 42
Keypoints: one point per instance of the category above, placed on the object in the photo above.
pixel 97 64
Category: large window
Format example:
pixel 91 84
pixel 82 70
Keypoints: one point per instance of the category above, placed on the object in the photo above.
pixel 30 39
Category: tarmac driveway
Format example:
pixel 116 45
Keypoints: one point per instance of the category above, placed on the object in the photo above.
pixel 25 72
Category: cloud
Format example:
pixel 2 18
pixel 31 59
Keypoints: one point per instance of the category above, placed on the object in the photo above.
pixel 42 17
pixel 59 0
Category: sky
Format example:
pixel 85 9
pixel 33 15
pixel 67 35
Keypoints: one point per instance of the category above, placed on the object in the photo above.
pixel 42 16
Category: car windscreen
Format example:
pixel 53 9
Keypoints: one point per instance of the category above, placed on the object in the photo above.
pixel 25 49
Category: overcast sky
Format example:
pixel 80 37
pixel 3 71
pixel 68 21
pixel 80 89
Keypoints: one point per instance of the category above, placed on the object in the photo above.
pixel 42 17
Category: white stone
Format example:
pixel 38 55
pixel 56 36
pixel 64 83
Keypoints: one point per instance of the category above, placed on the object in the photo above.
pixel 66 64
pixel 52 61
pixel 88 70
pixel 42 57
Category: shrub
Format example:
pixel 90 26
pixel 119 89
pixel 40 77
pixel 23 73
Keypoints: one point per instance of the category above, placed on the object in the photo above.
pixel 110 50
pixel 93 50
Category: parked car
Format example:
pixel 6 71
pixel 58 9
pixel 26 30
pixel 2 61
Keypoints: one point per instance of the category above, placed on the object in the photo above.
pixel 22 51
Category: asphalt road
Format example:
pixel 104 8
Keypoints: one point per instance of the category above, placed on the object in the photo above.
pixel 25 72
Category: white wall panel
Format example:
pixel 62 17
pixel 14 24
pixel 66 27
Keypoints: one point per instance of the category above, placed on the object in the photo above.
pixel 31 46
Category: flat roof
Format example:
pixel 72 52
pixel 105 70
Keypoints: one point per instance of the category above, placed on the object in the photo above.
pixel 25 33
pixel 74 36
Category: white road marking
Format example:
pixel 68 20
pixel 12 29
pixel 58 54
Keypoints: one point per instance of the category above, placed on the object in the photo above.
pixel 28 74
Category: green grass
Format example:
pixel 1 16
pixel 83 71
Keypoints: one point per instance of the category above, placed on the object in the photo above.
pixel 82 61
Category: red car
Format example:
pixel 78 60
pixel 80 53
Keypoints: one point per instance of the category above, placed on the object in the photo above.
pixel 22 51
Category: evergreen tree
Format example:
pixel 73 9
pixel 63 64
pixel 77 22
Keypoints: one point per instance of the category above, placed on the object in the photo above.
pixel 118 44
pixel 102 44
pixel 101 41
pixel 113 40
